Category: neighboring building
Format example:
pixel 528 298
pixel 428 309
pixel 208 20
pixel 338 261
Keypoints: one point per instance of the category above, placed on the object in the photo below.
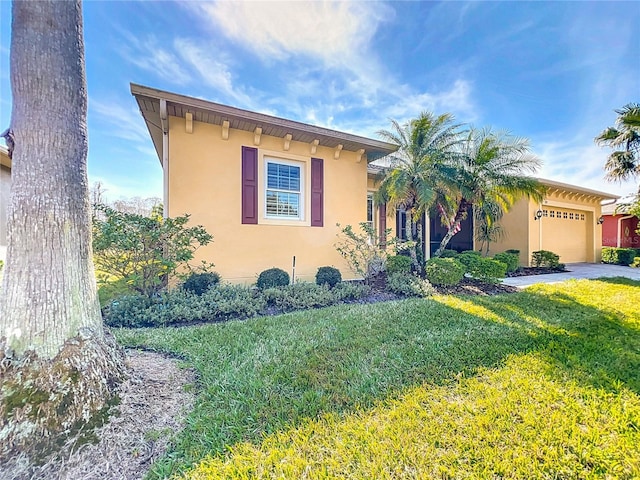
pixel 619 229
pixel 270 189
pixel 266 188
pixel 5 187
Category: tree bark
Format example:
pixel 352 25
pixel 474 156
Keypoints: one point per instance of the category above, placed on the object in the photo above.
pixel 57 368
pixel 454 227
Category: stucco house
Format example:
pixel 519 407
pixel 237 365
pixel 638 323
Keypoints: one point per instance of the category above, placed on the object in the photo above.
pixel 5 187
pixel 619 229
pixel 271 189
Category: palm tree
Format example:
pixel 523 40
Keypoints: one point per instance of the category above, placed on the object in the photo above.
pixel 418 167
pixel 490 177
pixel 624 162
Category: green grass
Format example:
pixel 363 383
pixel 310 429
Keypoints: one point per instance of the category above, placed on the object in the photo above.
pixel 540 384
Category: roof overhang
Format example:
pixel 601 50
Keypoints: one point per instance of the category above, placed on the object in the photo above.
pixel 5 161
pixel 552 186
pixel 149 101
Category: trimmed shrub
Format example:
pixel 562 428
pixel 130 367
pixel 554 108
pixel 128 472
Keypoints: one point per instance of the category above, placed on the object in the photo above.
pixel 182 307
pixel 449 254
pixel 635 263
pixel 545 258
pixel 409 285
pixel 199 283
pixel 618 256
pixel 444 271
pixel 299 296
pixel 511 260
pixel 398 263
pixel 273 277
pixel 328 275
pixel 348 291
pixel 482 268
pixel 471 252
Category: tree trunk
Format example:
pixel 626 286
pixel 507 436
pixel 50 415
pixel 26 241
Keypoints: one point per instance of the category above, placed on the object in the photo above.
pixel 453 228
pixel 57 366
pixel 408 226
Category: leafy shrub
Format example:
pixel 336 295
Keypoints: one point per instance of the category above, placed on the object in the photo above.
pixel 636 262
pixel 511 260
pixel 346 291
pixel 273 277
pixel 618 256
pixel 180 307
pixel 444 271
pixel 449 254
pixel 471 252
pixel 514 251
pixel 1 265
pixel 299 296
pixel 482 268
pixel 328 275
pixel 199 283
pixel 364 252
pixel 409 285
pixel 398 263
pixel 545 258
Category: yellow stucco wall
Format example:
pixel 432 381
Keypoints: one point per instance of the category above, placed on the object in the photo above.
pixel 575 240
pixel 205 181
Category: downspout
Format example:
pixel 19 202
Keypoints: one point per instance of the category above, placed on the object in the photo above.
pixel 164 123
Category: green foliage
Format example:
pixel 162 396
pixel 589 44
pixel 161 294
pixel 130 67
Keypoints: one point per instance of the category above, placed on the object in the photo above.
pixel 447 253
pixel 363 252
pixel 273 277
pixel 328 275
pixel 444 271
pixel 109 291
pixel 199 283
pixel 183 307
pixel 299 296
pixel 513 250
pixel 545 258
pixel 1 265
pixel 464 381
pixel 143 251
pixel 349 291
pixel 398 264
pixel 482 268
pixel 511 260
pixel 618 256
pixel 635 263
pixel 409 285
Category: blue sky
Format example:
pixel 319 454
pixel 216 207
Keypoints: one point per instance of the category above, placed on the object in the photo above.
pixel 550 71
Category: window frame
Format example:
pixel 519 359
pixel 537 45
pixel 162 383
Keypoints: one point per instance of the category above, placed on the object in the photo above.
pixel 300 192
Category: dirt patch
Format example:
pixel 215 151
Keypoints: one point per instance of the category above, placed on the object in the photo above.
pixel 153 405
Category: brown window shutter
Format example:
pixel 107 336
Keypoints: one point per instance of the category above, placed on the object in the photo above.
pixel 249 185
pixel 317 192
pixel 382 220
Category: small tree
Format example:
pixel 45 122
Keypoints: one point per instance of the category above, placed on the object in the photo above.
pixel 144 251
pixel 364 252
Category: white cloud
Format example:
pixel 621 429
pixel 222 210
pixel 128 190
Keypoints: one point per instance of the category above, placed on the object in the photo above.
pixel 124 122
pixel 336 32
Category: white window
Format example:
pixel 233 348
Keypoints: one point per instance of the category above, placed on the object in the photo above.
pixel 370 210
pixel 283 192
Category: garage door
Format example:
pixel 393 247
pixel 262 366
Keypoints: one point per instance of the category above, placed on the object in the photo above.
pixel 564 231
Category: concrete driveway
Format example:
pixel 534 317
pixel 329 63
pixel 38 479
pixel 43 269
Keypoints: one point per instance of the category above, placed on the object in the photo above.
pixel 576 270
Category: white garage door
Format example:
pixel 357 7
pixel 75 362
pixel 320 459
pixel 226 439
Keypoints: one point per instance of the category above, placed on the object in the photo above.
pixel 564 231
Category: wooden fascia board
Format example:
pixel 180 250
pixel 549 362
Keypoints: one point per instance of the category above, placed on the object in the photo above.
pixel 370 145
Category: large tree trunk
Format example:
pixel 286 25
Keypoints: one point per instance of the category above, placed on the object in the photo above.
pixel 57 367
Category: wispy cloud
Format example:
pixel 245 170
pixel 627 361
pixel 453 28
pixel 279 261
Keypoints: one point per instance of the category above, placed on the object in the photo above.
pixel 123 122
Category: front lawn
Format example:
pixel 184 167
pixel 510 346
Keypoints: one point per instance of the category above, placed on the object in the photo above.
pixel 539 384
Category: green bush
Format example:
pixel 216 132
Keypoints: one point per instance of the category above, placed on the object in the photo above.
pixel 482 268
pixel 444 271
pixel 471 252
pixel 328 275
pixel 183 307
pixel 299 296
pixel 513 250
pixel 449 254
pixel 511 260
pixel 635 263
pixel 545 258
pixel 398 263
pixel 348 291
pixel 618 256
pixel 409 285
pixel 199 283
pixel 273 277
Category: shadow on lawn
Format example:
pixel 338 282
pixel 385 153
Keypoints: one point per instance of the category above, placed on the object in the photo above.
pixel 340 359
pixel 594 345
